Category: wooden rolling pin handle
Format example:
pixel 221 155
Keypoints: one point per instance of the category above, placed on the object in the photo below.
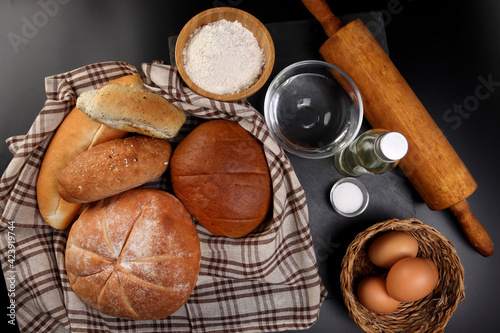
pixel 321 11
pixel 472 228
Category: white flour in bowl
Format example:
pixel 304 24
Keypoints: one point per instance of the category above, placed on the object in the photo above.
pixel 223 57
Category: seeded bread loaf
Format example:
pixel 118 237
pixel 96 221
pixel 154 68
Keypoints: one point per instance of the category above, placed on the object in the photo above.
pixel 113 167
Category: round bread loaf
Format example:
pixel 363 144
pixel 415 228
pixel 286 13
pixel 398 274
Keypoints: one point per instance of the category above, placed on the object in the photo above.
pixel 135 255
pixel 219 172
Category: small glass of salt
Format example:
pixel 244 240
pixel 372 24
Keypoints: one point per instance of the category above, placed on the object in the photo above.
pixel 349 197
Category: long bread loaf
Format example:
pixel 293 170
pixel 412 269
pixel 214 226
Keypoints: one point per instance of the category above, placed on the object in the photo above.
pixel 76 134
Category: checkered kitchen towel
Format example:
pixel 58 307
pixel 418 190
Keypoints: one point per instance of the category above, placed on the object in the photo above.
pixel 266 281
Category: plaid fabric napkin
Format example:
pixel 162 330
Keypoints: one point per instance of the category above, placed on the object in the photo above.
pixel 267 281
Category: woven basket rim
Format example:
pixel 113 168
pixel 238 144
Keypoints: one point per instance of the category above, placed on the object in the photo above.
pixel 430 314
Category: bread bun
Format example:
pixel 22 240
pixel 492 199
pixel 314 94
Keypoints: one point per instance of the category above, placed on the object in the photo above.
pixel 113 167
pixel 132 110
pixel 135 255
pixel 76 134
pixel 219 172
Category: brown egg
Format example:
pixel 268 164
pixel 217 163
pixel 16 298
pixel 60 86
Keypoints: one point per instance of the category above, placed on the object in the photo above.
pixel 434 269
pixel 372 294
pixel 410 279
pixel 390 247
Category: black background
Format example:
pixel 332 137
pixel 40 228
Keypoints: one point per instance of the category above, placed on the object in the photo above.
pixel 443 49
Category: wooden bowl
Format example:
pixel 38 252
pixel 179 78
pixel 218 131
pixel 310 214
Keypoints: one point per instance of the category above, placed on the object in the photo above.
pixel 231 14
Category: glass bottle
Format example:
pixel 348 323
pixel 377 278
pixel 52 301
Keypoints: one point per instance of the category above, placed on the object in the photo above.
pixel 374 152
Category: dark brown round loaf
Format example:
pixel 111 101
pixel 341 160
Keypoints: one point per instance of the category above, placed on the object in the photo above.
pixel 219 172
pixel 134 255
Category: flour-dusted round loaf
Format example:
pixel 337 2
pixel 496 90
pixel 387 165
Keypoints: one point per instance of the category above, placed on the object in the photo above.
pixel 220 173
pixel 113 167
pixel 135 255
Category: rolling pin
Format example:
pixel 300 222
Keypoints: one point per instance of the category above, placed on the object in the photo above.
pixel 431 164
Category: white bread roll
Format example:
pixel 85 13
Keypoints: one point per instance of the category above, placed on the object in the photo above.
pixel 76 134
pixel 135 255
pixel 113 167
pixel 132 110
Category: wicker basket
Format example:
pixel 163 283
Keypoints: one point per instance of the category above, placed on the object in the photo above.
pixel 430 314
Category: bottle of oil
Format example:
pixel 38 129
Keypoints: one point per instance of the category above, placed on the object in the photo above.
pixel 374 152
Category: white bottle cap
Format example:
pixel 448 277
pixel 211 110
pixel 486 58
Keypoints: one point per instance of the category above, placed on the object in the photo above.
pixel 391 146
